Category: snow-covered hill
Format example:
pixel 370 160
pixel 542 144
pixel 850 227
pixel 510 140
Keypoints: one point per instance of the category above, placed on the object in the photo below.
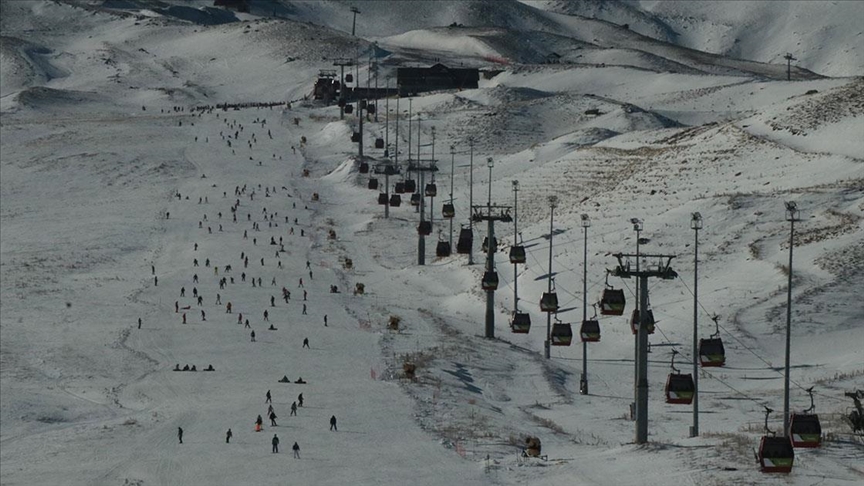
pixel 119 200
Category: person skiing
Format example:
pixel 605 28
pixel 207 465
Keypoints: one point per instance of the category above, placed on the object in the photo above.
pixel 325 320
pixel 184 318
pixel 273 419
pixel 304 309
pixel 266 316
pixel 253 336
pixel 296 449
pixel 306 342
pixel 300 399
pixel 180 434
pixel 293 408
pixel 228 436
pixel 333 423
pixel 275 443
pixel 139 323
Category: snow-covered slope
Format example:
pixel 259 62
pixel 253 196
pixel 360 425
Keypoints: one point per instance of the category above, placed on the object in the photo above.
pixel 120 184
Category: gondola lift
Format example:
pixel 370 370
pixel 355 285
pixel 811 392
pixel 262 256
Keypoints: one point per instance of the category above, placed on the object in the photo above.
pixel 415 199
pixel 364 168
pixel 520 322
pixel 424 228
pixel 431 190
pixel 712 353
pixel 612 302
pixel 776 454
pixel 804 427
pixel 448 211
pixel 562 333
pixel 373 183
pixel 443 249
pixel 395 200
pixel 466 240
pixel 649 321
pixel 490 281
pixel 679 387
pixel 382 198
pixel 590 330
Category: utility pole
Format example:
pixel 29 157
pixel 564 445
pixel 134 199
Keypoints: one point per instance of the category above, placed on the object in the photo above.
pixel 493 213
pixel 515 241
pixel 422 166
pixel 547 345
pixel 452 176
pixel 471 194
pixel 664 271
pixel 637 227
pixel 695 225
pixel 792 215
pixel 583 381
pixel 789 60
pixel 355 11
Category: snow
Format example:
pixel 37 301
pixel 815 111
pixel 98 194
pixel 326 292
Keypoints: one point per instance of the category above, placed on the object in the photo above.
pixel 93 153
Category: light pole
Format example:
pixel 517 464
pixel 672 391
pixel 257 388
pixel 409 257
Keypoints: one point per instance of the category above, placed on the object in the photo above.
pixel 490 258
pixel 355 11
pixel 637 227
pixel 695 225
pixel 583 382
pixel 553 203
pixel 792 215
pixel 452 176
pixel 471 195
pixel 515 236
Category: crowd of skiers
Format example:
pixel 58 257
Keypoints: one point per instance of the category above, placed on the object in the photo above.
pixel 250 269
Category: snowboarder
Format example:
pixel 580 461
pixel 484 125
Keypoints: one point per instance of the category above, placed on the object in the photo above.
pixel 333 423
pixel 273 419
pixel 293 408
pixel 269 398
pixel 296 449
pixel 275 443
pixel 306 342
pixel 228 436
pixel 180 434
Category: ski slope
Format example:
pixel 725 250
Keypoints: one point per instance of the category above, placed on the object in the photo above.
pixel 99 136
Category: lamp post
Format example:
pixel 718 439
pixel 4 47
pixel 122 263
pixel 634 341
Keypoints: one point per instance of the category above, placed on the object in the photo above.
pixel 515 236
pixel 553 203
pixel 452 176
pixel 792 215
pixel 490 258
pixel 583 382
pixel 695 225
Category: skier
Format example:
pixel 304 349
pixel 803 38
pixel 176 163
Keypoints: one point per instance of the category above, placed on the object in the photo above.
pixel 305 295
pixel 325 320
pixel 333 423
pixel 253 334
pixel 273 419
pixel 176 306
pixel 180 434
pixel 293 408
pixel 269 398
pixel 296 449
pixel 272 301
pixel 266 316
pixel 228 436
pixel 275 443
pixel 139 323
pixel 184 318
pixel 306 342
pixel 300 400
pixel 300 285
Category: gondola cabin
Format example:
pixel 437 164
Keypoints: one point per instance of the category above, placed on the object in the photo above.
pixel 431 190
pixel 679 388
pixel 649 324
pixel 349 78
pixel 371 109
pixel 442 249
pixel 711 352
pixel 562 334
pixel 355 137
pixel 776 454
pixel 415 199
pixel 465 242
pixel 590 331
pixel 448 211
pixel 805 429
pixel 517 254
pixel 410 185
pixel 400 188
pixel 350 109
pixel 520 322
pixel 612 302
pixel 549 302
pixel 395 200
pixel 490 281
pixel 382 198
pixel 373 183
pixel 379 143
pixel 424 228
pixel 364 168
pixel 363 104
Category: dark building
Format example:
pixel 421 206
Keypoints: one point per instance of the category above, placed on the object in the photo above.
pixel 412 80
pixel 238 5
